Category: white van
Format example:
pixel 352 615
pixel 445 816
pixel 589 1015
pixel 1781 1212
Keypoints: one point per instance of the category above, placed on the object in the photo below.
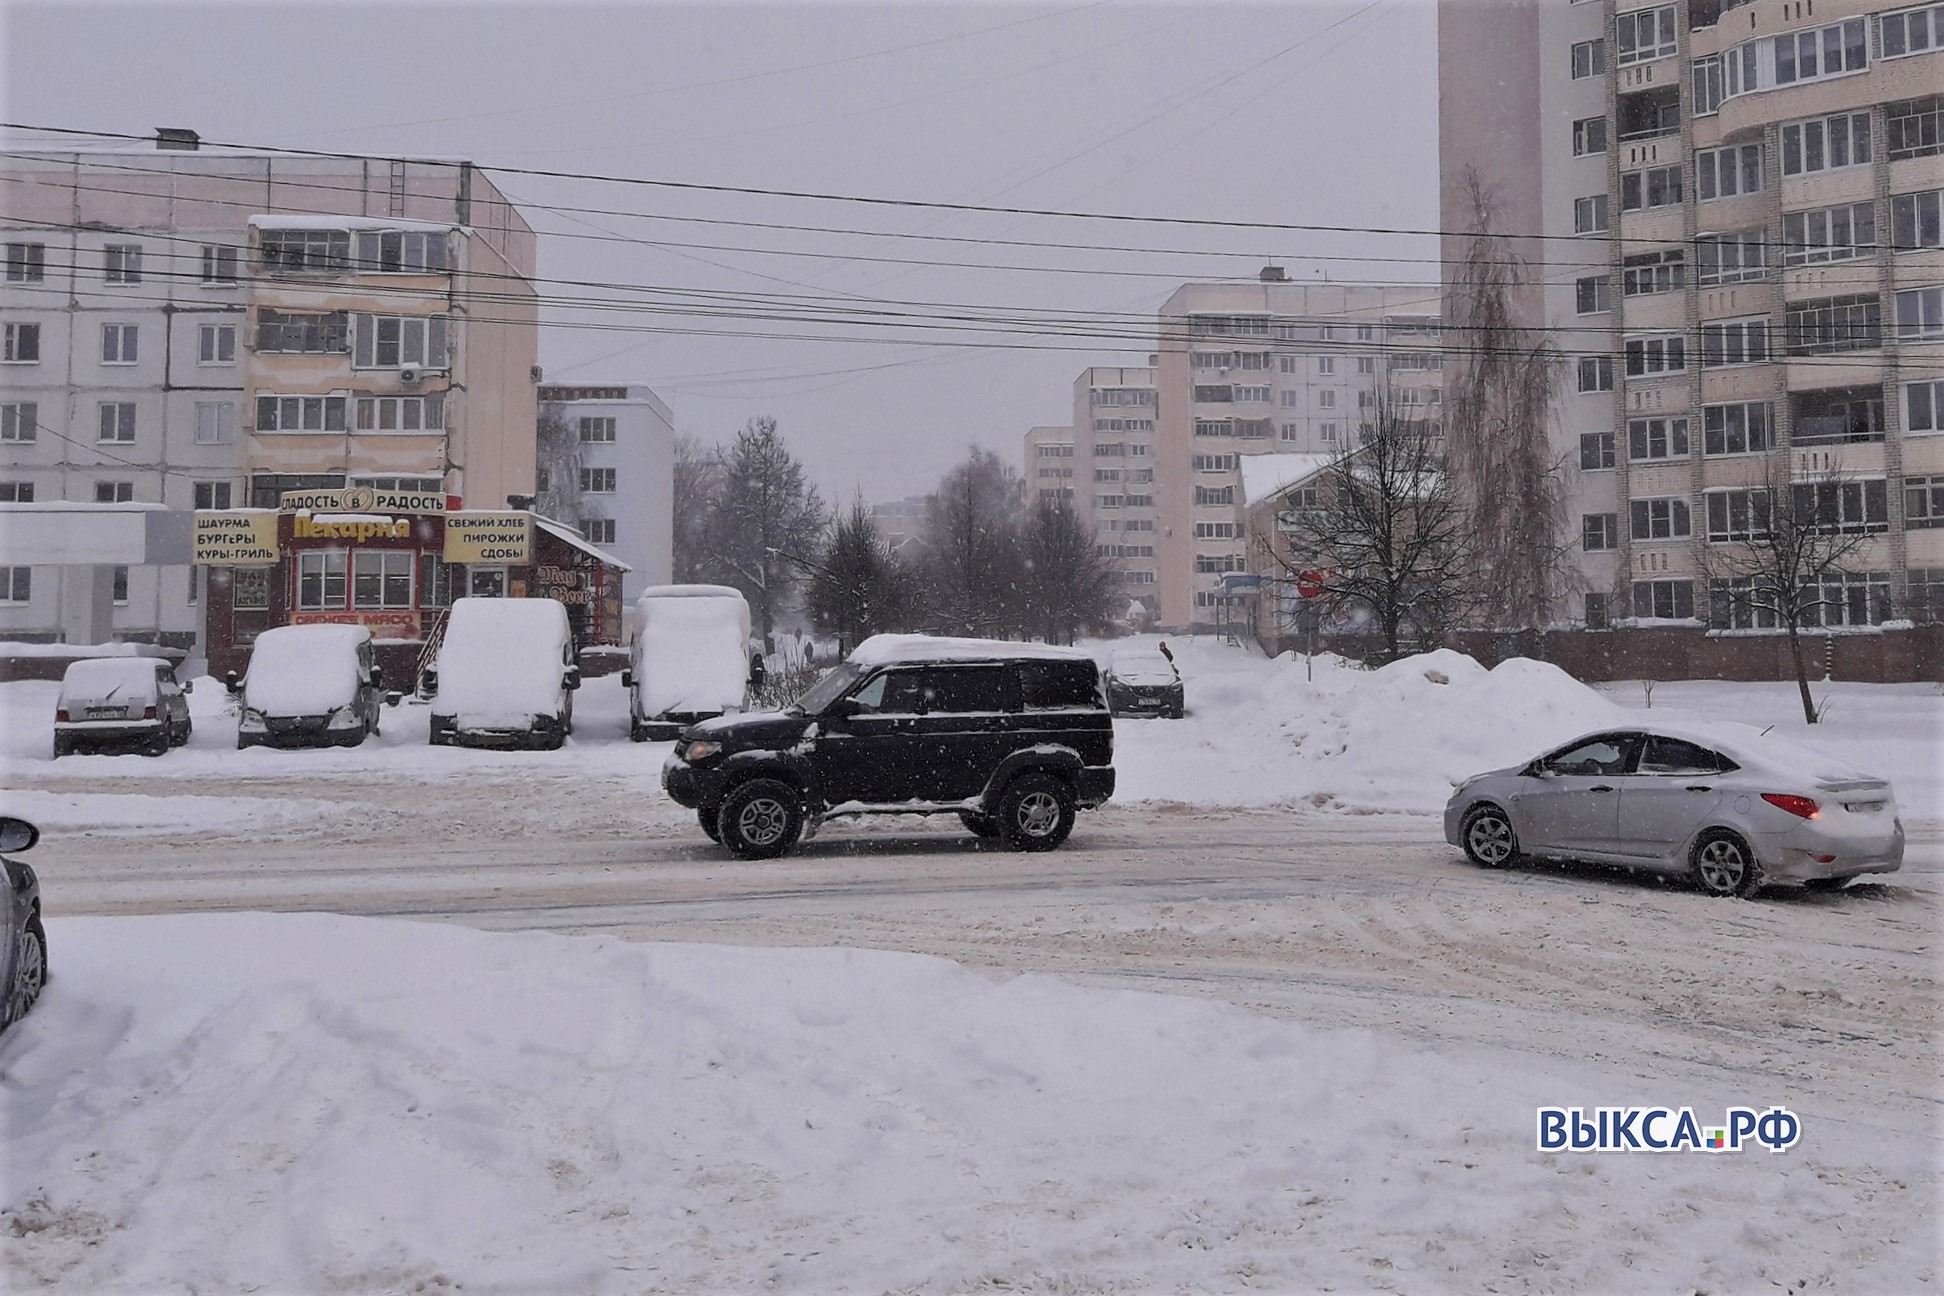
pixel 310 686
pixel 688 658
pixel 109 703
pixel 506 675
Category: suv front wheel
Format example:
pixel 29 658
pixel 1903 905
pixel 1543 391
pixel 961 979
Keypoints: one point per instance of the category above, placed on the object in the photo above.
pixel 761 819
pixel 1035 813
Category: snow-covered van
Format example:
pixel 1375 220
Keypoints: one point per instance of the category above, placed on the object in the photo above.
pixel 120 702
pixel 688 658
pixel 506 675
pixel 309 686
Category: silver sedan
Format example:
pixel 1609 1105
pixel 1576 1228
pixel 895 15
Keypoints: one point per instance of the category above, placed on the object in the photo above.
pixel 1733 812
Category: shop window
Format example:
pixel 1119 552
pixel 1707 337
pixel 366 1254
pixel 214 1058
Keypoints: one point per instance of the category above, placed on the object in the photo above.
pixel 321 579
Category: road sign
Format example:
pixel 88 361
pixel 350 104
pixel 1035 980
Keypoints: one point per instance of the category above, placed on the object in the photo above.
pixel 1309 584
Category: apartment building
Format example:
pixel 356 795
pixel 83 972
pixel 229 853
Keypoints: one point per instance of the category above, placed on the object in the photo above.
pixel 206 328
pixel 1244 370
pixel 610 473
pixel 1732 212
pixel 1048 473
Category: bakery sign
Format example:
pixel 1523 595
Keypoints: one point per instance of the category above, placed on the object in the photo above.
pixel 361 499
pixel 235 538
pixel 481 537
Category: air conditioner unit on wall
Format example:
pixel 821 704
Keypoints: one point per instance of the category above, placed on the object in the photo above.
pixel 408 374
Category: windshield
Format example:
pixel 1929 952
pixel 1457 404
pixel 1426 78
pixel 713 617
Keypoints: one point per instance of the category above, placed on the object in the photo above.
pixel 826 690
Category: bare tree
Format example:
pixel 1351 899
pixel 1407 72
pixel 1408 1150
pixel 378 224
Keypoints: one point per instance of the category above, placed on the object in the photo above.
pixel 1500 386
pixel 857 586
pixel 972 570
pixel 557 448
pixel 1784 566
pixel 1068 586
pixel 1384 526
pixel 698 483
pixel 765 510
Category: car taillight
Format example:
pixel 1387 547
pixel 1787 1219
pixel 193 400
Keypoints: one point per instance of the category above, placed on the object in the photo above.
pixel 61 717
pixel 148 713
pixel 1799 806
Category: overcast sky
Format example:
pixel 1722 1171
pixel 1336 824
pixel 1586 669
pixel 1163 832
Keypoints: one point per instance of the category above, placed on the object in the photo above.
pixel 1318 113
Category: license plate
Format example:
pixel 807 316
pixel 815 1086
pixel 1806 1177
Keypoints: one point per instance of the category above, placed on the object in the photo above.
pixel 106 713
pixel 1863 807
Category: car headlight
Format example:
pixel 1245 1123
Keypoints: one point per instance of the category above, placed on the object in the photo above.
pixel 345 717
pixel 701 751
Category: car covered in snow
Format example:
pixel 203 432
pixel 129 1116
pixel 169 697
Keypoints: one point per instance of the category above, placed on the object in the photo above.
pixel 688 658
pixel 1733 810
pixel 23 940
pixel 1012 738
pixel 310 686
pixel 506 675
pixel 121 703
pixel 1142 680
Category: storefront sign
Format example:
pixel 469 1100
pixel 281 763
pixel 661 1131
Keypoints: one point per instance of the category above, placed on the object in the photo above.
pixel 385 623
pixel 488 537
pixel 244 538
pixel 362 499
pixel 306 527
pixel 562 584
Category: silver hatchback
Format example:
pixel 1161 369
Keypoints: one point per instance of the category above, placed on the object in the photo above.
pixel 1733 810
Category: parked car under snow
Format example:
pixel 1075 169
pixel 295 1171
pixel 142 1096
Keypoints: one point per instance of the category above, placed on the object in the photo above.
pixel 506 675
pixel 310 686
pixel 126 703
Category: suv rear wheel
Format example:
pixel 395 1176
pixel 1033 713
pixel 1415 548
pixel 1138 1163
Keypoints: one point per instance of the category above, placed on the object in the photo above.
pixel 1035 813
pixel 761 819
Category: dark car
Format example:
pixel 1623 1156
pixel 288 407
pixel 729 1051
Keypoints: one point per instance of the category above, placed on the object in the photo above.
pixel 1144 681
pixel 1012 738
pixel 23 956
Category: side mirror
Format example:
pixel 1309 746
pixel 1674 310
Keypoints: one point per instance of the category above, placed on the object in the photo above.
pixel 188 686
pixel 230 682
pixel 394 697
pixel 571 680
pixel 844 708
pixel 627 678
pixel 17 835
pixel 378 677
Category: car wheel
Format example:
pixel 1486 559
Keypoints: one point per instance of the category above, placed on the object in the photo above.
pixel 62 747
pixel 159 745
pixel 707 818
pixel 635 732
pixel 242 741
pixel 1035 813
pixel 356 739
pixel 1724 866
pixel 761 819
pixel 30 973
pixel 1488 838
pixel 978 825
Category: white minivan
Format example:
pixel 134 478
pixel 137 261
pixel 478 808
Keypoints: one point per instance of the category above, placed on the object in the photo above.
pixel 310 686
pixel 505 676
pixel 688 658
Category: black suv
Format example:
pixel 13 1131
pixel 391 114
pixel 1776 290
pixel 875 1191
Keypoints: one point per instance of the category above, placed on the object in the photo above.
pixel 1013 738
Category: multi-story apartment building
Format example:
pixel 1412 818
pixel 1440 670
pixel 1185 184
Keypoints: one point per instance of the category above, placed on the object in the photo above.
pixel 205 328
pixel 1732 215
pixel 1252 369
pixel 1049 464
pixel 612 473
pixel 1112 449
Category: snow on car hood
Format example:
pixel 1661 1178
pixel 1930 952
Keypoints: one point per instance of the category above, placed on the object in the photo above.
pixel 304 670
pixel 502 662
pixel 99 679
pixel 691 650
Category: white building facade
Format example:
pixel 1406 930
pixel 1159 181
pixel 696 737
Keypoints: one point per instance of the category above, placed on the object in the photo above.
pixel 612 473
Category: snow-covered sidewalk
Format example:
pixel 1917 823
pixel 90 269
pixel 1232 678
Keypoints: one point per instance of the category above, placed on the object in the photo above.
pixel 310 1103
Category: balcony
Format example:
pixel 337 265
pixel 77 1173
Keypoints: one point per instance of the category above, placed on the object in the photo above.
pixel 1837 415
pixel 1649 114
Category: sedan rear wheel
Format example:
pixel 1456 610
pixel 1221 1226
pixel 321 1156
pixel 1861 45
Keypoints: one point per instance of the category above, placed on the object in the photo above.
pixel 30 972
pixel 1488 837
pixel 1724 866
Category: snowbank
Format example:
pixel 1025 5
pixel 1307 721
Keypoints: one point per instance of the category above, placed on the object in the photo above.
pixel 239 1102
pixel 691 649
pixel 304 670
pixel 502 661
pixel 136 814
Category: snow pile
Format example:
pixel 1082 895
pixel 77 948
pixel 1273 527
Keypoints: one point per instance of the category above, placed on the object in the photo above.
pixel 691 649
pixel 231 1103
pixel 137 814
pixel 12 648
pixel 304 670
pixel 502 661
pixel 100 679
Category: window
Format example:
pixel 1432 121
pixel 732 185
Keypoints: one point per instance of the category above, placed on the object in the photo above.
pixel 1910 31
pixel 1326 364
pixel 596 430
pixel 1326 400
pixel 1838 415
pixel 1849 598
pixel 1664 600
pixel 394 341
pixel 1596 610
pixel 1794 57
pixel 1215 530
pixel 1654 187
pixel 114 492
pixel 1707 85
pixel 250 588
pixel 1600 531
pixel 1209 496
pixel 1213 462
pixel 1591 295
pixel 597 481
pixel 1596 373
pixel 117 421
pixel 1589 59
pixel 1644 35
pixel 215 423
pixel 216 344
pixel 1366 364
pixel 22 344
pixel 20 421
pixel 1914 221
pixel 1733 342
pixel 1920 314
pixel 16 584
pixel 1851 507
pixel 1914 127
pixel 26 262
pixel 598 530
pixel 1207 564
pixel 1829 234
pixel 1655 354
pixel 1107 474
pixel 300 414
pixel 1739 603
pixel 435 581
pixel 16 492
pixel 1736 429
pixel 118 344
pixel 401 413
pixel 401 252
pixel 1122 396
pixel 1657 438
pixel 1292 399
pixel 1660 519
pixel 277 331
pixel 1826 143
pixel 1110 449
pixel 212 494
pixel 1924 502
pixel 122 263
pixel 381 578
pixel 1653 272
pixel 1214 427
pixel 321 579
pixel 1590 214
pixel 218 264
pixel 1258 395
pixel 1589 136
pixel 1923 407
pixel 1726 172
pixel 1830 324
pixel 1212 393
pixel 1926 586
pixel 1740 514
pixel 306 251
pixel 1596 450
pixel 1678 756
pixel 1324 432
